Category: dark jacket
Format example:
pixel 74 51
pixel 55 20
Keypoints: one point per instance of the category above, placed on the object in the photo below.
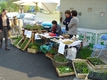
pixel 1 23
pixel 66 22
pixel 58 30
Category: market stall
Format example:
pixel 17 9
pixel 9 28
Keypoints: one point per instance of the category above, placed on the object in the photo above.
pixel 62 51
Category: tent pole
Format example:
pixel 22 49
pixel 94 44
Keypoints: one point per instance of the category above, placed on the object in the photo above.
pixel 47 8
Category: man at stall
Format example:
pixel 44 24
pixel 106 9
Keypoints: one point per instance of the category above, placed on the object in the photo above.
pixel 56 28
pixel 4 28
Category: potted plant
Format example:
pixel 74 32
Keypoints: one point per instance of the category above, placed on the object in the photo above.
pixel 80 67
pixel 96 63
pixel 64 71
pixel 51 53
pixel 33 47
pixel 59 60
pixel 84 52
pixel 97 75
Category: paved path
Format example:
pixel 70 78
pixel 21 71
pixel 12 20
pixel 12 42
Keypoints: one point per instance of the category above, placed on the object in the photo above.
pixel 18 65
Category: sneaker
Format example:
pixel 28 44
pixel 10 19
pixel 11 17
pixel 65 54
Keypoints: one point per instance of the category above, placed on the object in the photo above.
pixel 7 48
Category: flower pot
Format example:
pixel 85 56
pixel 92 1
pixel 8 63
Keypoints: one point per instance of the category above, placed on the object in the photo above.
pixel 56 63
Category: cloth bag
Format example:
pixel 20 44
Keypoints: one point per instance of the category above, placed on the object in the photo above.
pixel 71 53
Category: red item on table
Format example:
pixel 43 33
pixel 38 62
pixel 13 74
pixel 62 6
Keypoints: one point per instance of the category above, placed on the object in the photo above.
pixel 52 34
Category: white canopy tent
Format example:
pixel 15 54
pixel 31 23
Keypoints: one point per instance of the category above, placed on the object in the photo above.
pixel 44 4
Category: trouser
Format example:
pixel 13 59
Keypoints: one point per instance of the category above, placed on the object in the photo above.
pixel 4 34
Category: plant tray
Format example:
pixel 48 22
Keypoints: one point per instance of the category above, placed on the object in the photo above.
pixel 19 43
pixel 26 45
pixel 64 74
pixel 79 75
pixel 31 50
pixel 12 41
pixel 97 66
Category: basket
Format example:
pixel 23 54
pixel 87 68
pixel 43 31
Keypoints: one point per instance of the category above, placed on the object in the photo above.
pixel 64 74
pixel 31 50
pixel 56 63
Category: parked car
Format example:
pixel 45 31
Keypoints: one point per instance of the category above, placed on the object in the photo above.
pixel 27 18
pixel 11 14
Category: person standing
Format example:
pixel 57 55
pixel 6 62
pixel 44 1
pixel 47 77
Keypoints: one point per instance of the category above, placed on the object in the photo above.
pixel 74 23
pixel 67 20
pixel 4 28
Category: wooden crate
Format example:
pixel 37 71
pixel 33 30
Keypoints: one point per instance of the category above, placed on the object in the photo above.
pixel 80 75
pixel 97 67
pixel 12 41
pixel 26 45
pixel 31 50
pixel 64 74
pixel 19 42
pixel 48 56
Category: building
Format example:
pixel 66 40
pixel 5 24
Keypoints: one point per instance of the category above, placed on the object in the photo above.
pixel 92 15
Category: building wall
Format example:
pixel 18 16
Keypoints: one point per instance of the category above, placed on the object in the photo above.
pixel 88 19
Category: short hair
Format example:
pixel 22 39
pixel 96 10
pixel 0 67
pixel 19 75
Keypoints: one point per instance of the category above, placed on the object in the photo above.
pixel 68 12
pixel 74 13
pixel 54 22
pixel 4 10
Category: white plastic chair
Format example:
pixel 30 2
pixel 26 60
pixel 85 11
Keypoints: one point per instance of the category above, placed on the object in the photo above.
pixel 100 46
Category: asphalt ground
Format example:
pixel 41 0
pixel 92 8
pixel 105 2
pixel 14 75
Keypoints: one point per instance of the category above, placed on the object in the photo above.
pixel 18 65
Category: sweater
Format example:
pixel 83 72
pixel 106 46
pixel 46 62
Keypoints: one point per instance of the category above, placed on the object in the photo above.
pixel 73 25
pixel 66 22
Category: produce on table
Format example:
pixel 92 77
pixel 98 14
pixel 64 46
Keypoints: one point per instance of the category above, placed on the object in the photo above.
pixel 84 52
pixel 95 61
pixel 60 58
pixel 16 42
pixel 29 27
pixel 81 67
pixel 68 42
pixel 24 43
pixel 65 69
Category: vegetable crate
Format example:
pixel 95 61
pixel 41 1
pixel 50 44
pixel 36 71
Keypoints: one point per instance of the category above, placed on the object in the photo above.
pixel 96 63
pixel 12 41
pixel 25 44
pixel 18 41
pixel 31 50
pixel 84 70
pixel 64 74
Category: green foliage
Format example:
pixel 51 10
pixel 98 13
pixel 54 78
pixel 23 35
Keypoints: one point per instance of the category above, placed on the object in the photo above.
pixel 96 61
pixel 11 7
pixel 29 27
pixel 60 58
pixel 24 43
pixel 30 45
pixel 84 52
pixel 53 51
pixel 16 42
pixel 65 69
pixel 81 67
pixel 34 46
